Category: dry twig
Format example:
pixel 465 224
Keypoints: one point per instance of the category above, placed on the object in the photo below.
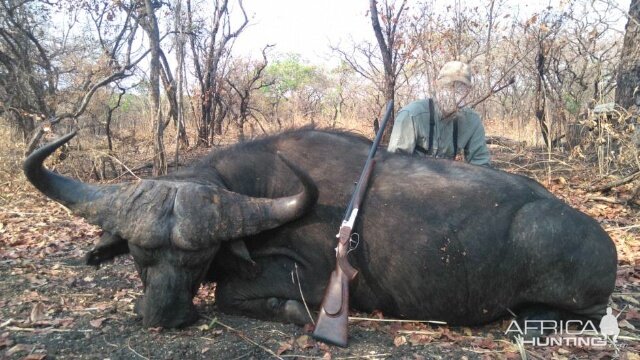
pixel 243 337
pixel 616 183
pixel 302 295
pixel 355 318
pixel 132 350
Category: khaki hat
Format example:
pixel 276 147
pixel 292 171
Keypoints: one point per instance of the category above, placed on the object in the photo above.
pixel 453 71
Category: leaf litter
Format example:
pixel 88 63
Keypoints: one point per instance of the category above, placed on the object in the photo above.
pixel 54 306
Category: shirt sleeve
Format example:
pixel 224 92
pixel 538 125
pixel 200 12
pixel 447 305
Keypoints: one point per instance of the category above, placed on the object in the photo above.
pixel 403 136
pixel 477 152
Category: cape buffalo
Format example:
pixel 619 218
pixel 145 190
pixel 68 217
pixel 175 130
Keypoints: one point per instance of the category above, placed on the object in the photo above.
pixel 439 240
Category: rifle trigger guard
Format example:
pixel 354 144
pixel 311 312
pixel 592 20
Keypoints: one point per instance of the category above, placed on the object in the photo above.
pixel 354 241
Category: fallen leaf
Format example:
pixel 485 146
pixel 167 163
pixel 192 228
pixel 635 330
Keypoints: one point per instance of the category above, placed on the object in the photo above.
pixel 5 342
pixel 632 356
pixel 324 347
pixel 18 348
pixel 304 342
pixel 37 312
pixel 399 341
pixel 419 339
pixel 284 347
pixel 96 323
pixel 446 332
pixel 326 356
pixel 557 356
pixel 486 343
pixel 627 325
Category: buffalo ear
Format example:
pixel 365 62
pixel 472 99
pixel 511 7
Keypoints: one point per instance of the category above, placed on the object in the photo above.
pixel 239 249
pixel 106 249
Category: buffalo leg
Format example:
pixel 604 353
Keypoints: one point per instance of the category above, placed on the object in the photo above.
pixel 282 310
pixel 272 296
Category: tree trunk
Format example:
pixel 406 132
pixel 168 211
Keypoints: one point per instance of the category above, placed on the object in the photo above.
pixel 107 127
pixel 387 51
pixel 540 100
pixel 159 159
pixel 180 123
pixel 628 90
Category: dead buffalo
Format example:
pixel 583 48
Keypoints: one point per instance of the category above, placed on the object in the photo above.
pixel 439 240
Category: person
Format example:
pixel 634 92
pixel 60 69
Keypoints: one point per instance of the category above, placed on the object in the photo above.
pixel 445 128
pixel 609 326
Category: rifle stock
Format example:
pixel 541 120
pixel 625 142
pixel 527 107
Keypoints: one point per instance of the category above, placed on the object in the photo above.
pixel 331 326
pixel 334 314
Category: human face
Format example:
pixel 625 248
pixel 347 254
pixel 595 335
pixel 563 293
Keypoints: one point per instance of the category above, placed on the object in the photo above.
pixel 452 97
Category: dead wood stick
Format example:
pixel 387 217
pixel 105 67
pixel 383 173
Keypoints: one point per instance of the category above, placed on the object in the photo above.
pixel 47 329
pixel 354 318
pixel 119 162
pixel 613 184
pixel 605 199
pixel 374 356
pixel 244 337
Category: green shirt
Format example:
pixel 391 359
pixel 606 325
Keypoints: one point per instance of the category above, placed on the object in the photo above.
pixel 411 129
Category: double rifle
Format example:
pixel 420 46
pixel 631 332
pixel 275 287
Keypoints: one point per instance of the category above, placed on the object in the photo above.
pixel 331 326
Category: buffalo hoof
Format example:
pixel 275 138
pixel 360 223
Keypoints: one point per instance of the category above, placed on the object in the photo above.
pixel 532 318
pixel 291 311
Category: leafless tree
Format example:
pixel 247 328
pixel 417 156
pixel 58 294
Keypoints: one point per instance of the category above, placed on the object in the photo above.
pixel 209 40
pixel 248 79
pixel 34 63
pixel 390 43
pixel 381 64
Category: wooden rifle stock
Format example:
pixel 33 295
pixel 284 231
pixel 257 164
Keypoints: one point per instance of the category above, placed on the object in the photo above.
pixel 331 326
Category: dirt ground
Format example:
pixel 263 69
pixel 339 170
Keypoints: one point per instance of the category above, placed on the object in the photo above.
pixel 53 306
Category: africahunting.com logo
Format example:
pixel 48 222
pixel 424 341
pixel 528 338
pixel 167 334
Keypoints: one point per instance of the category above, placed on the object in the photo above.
pixel 567 333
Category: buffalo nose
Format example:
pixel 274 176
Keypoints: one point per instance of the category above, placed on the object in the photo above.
pixel 167 317
pixel 172 320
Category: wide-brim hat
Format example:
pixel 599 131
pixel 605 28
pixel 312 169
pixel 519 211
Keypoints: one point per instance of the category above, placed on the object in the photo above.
pixel 455 71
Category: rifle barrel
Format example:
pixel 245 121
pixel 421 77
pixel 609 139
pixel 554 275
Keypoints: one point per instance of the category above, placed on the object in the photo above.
pixel 366 172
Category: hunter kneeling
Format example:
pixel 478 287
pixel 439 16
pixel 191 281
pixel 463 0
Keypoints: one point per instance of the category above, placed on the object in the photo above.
pixel 446 129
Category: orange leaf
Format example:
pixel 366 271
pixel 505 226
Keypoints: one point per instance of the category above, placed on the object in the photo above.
pixel 284 347
pixel 399 341
pixel 96 323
